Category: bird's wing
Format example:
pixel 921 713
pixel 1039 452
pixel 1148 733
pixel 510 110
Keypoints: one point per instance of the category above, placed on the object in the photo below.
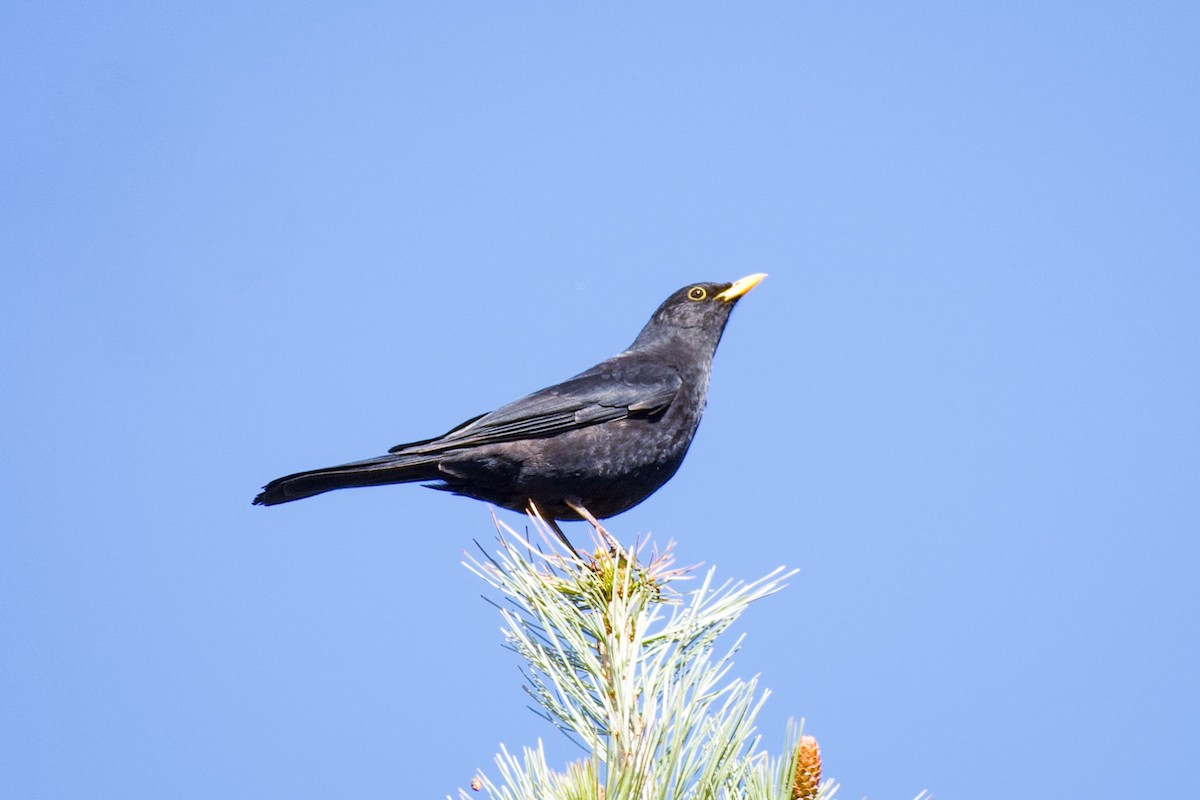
pixel 602 394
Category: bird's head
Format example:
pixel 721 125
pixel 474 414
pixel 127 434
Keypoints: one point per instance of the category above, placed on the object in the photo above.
pixel 698 311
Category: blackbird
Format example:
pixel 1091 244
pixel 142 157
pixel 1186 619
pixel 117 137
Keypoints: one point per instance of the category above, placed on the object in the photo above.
pixel 603 441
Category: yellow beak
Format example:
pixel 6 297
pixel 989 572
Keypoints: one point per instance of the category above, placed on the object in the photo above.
pixel 741 286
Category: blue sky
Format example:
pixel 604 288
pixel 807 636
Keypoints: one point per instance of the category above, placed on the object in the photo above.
pixel 241 240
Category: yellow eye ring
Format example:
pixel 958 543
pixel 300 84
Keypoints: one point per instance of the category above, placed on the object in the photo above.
pixel 697 293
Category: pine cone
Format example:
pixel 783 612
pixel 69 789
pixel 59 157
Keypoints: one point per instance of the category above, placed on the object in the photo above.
pixel 807 779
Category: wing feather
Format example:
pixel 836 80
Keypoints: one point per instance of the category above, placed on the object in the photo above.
pixel 607 392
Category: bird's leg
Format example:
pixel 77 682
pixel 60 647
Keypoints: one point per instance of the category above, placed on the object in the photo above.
pixel 595 523
pixel 553 525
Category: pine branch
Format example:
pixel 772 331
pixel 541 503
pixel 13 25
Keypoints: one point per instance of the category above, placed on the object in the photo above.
pixel 627 665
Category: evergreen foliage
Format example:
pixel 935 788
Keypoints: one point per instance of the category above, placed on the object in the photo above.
pixel 627 665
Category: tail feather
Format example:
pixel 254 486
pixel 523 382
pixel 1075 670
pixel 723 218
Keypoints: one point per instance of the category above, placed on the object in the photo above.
pixel 371 472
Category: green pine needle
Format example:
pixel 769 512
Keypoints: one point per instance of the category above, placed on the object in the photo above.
pixel 626 664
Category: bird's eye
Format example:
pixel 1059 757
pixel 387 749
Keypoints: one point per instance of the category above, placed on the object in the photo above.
pixel 697 293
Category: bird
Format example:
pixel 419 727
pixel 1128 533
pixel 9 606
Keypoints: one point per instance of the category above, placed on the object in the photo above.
pixel 594 445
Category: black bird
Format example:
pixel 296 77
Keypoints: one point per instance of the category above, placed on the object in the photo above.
pixel 604 440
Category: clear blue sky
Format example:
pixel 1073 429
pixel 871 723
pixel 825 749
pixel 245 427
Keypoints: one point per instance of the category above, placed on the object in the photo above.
pixel 240 240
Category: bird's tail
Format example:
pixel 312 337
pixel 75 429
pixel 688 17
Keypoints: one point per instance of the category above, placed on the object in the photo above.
pixel 371 472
